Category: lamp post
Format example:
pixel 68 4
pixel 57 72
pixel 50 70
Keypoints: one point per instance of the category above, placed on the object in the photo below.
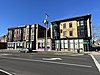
pixel 46 23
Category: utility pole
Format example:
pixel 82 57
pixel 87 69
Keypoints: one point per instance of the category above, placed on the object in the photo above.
pixel 46 23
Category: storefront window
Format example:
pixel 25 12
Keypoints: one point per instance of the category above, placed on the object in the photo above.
pixel 81 43
pixel 62 43
pixel 57 43
pixel 71 44
pixel 66 44
pixel 76 44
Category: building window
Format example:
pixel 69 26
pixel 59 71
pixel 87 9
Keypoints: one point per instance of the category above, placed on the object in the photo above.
pixel 70 25
pixel 64 33
pixel 79 33
pixel 71 43
pixel 64 25
pixel 61 31
pixel 81 22
pixel 32 30
pixel 57 43
pixel 77 23
pixel 27 31
pixel 27 37
pixel 17 31
pixel 55 32
pixel 76 43
pixel 71 33
pixel 62 44
pixel 66 44
pixel 32 37
pixel 24 30
pixel 82 33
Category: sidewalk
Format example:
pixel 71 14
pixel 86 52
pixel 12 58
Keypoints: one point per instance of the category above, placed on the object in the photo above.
pixel 96 57
pixel 95 53
pixel 48 52
pixel 6 50
pixel 59 52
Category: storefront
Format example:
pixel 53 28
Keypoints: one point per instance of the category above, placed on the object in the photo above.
pixel 41 44
pixel 70 44
pixel 15 45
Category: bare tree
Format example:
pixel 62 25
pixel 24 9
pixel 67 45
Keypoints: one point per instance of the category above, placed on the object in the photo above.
pixel 95 31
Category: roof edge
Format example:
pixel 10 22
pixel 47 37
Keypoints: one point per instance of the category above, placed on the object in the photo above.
pixel 72 18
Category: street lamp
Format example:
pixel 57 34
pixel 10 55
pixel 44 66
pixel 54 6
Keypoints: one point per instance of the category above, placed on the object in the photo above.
pixel 46 23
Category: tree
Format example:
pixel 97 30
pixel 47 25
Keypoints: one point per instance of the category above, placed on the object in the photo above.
pixel 95 32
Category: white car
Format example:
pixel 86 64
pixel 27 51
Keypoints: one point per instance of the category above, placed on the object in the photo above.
pixel 24 50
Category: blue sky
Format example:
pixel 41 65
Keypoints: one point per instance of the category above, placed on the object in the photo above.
pixel 19 12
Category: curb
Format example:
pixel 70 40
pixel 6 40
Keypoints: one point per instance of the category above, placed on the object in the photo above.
pixel 96 62
pixel 4 72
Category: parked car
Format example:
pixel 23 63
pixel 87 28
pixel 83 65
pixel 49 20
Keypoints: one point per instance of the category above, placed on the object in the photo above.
pixel 24 50
pixel 98 48
pixel 95 48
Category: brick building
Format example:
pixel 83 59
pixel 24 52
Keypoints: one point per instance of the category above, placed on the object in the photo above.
pixel 27 36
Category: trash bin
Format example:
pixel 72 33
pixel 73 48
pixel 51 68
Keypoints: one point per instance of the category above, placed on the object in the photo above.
pixel 78 50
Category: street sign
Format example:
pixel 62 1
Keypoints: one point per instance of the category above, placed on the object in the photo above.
pixel 85 42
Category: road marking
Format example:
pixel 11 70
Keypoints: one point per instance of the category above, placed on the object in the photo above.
pixel 5 54
pixel 60 54
pixel 96 62
pixel 5 72
pixel 76 55
pixel 60 63
pixel 51 59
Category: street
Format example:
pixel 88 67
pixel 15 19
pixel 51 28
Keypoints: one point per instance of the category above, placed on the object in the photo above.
pixel 47 64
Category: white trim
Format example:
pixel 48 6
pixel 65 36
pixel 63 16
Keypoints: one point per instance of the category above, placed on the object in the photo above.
pixel 96 62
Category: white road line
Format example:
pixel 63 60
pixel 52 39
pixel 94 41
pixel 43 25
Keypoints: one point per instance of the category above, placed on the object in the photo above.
pixel 5 54
pixel 76 55
pixel 78 65
pixel 5 72
pixel 51 59
pixel 96 62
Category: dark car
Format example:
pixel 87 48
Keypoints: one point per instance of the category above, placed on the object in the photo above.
pixel 98 48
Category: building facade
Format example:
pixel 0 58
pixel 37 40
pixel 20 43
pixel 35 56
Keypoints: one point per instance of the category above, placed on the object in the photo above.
pixel 41 41
pixel 3 38
pixel 3 42
pixel 27 36
pixel 71 34
pixel 16 37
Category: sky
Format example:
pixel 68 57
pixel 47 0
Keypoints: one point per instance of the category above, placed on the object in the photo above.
pixel 20 12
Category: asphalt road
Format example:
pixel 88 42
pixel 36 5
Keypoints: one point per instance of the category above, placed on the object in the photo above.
pixel 47 64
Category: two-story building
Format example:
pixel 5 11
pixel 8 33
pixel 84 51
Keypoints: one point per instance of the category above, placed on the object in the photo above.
pixel 71 33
